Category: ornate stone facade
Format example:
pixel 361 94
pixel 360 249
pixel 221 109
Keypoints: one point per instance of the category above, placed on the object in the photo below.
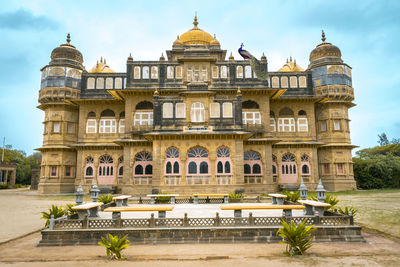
pixel 195 122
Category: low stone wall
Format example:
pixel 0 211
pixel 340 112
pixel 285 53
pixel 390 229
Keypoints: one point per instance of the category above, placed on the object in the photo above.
pixel 190 235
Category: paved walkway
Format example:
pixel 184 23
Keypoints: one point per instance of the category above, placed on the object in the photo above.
pixel 20 212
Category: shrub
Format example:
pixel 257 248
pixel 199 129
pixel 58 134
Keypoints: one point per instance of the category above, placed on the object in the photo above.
pixel 296 237
pixel 105 198
pixel 114 245
pixel 235 197
pixel 292 196
pixel 346 210
pixel 163 199
pixel 56 211
pixel 4 186
pixel 68 208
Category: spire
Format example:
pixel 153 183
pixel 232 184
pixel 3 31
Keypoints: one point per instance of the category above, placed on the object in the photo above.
pixel 231 58
pixel 290 58
pixel 195 23
pixel 68 38
pixel 287 60
pixel 101 59
pixel 130 57
pixel 323 36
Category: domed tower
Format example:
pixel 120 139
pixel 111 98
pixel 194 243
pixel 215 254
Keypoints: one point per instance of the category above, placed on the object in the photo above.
pixel 61 80
pixel 331 79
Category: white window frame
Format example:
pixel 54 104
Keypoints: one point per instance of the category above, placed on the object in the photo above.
pixel 302 124
pixel 170 72
pixel 227 110
pixel 239 72
pixel 168 111
pixel 197 113
pixel 272 124
pixel 248 72
pixel 336 125
pixel 215 106
pixel 121 126
pixel 323 126
pixel 56 127
pixel 104 128
pixel 177 108
pixel 154 72
pixel 286 125
pixel 138 119
pixel 224 72
pixel 253 120
pixel 215 72
pixel 94 127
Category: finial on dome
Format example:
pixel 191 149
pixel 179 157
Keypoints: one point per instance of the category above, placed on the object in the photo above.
pixel 101 59
pixel 162 58
pixel 263 57
pixel 215 36
pixel 290 58
pixel 130 58
pixel 195 23
pixel 295 62
pixel 238 91
pixel 231 58
pixel 68 38
pixel 287 60
pixel 156 93
pixel 323 36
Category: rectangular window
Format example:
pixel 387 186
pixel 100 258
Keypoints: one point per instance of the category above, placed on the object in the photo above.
pixel 143 118
pixel 67 171
pixel 323 126
pixel 214 110
pixel 227 110
pixel 340 168
pixel 224 72
pixel 121 128
pixel 53 171
pixel 178 72
pixel 170 72
pixel 286 125
pixel 215 72
pixel 56 127
pixel 336 125
pixel 70 127
pixel 326 168
pixel 302 124
pixel 272 124
pixel 154 72
pixel 107 126
pixel 251 117
pixel 168 110
pixel 180 110
pixel 91 126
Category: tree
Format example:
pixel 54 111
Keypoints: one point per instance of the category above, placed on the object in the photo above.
pixel 383 140
pixel 24 164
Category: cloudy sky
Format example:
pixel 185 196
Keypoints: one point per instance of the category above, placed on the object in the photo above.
pixel 367 32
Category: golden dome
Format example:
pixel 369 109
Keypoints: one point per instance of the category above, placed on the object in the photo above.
pixel 101 67
pixel 196 36
pixel 325 49
pixel 290 66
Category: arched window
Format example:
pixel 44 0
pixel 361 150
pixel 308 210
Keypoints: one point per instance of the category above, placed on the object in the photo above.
pixel 197 112
pixel 172 162
pixel 288 169
pixel 144 113
pixel 89 166
pixel 251 113
pixel 286 121
pixel 120 166
pixel 302 122
pixel 253 160
pixel 100 83
pixel 105 170
pixel 223 161
pixel 107 121
pixel 247 71
pixel 249 104
pixel 239 72
pixel 198 171
pixel 143 168
pixel 305 165
pixel 274 168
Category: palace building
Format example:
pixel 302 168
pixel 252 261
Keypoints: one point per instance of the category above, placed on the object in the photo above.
pixel 195 121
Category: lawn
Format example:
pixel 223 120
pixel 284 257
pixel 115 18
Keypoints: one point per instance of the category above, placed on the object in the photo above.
pixel 377 209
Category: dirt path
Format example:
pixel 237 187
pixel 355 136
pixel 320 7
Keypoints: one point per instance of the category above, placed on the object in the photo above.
pixel 378 251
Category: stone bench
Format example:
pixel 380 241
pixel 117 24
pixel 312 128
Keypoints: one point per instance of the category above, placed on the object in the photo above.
pixel 154 196
pixel 277 199
pixel 116 211
pixel 311 206
pixel 287 209
pixel 196 197
pixel 121 200
pixel 90 209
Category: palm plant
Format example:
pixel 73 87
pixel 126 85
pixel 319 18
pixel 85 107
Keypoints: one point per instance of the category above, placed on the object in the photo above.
pixel 292 196
pixel 105 198
pixel 68 208
pixel 114 245
pixel 296 237
pixel 56 211
pixel 346 210
pixel 328 199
